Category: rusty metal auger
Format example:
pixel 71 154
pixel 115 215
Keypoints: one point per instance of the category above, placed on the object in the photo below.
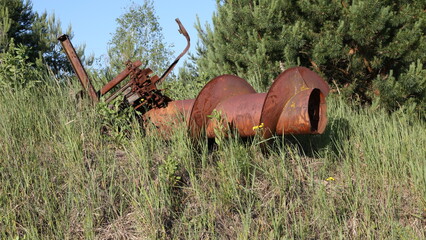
pixel 294 104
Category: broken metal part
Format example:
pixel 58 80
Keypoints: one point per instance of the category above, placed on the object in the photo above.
pixel 182 31
pixel 303 113
pixel 119 78
pixel 140 92
pixel 285 87
pixel 294 104
pixel 78 67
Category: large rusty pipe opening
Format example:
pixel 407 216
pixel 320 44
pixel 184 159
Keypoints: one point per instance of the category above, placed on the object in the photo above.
pixel 316 108
pixel 305 113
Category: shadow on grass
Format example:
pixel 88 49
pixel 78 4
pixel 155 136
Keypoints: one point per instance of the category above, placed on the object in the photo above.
pixel 337 132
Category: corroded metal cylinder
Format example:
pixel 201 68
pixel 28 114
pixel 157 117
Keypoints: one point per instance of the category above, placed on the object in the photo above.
pixel 165 118
pixel 295 104
pixel 240 112
pixel 216 91
pixel 304 113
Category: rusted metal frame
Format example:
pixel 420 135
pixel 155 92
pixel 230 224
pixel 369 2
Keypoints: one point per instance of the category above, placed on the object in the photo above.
pixel 119 78
pixel 182 31
pixel 78 67
pixel 135 75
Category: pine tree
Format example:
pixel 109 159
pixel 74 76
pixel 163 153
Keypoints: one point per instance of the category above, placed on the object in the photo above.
pixel 46 30
pixel 354 44
pixel 34 33
pixel 139 37
pixel 4 27
pixel 17 18
pixel 245 39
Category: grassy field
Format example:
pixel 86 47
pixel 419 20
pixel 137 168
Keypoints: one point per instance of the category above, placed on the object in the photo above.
pixel 60 178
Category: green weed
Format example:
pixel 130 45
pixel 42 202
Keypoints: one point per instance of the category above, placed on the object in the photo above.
pixel 61 178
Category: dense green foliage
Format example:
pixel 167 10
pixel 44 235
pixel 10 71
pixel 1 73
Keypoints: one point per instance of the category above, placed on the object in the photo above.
pixel 16 70
pixel 360 47
pixel 60 178
pixel 139 37
pixel 29 45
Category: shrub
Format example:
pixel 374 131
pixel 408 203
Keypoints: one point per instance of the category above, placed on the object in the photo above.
pixel 16 71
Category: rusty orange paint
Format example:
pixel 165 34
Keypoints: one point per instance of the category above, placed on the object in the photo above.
pixel 303 114
pixel 165 117
pixel 285 87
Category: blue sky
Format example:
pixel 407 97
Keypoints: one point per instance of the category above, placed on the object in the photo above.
pixel 93 21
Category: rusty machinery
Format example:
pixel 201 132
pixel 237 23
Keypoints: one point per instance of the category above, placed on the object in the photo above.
pixel 294 104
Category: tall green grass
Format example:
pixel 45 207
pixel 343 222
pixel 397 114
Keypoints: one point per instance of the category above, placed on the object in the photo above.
pixel 61 178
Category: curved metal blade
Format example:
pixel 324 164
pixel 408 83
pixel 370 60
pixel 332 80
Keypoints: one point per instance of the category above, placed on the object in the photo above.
pixel 215 91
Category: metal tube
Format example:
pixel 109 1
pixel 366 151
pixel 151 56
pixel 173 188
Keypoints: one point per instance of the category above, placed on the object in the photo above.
pixel 167 118
pixel 78 67
pixel 285 87
pixel 304 113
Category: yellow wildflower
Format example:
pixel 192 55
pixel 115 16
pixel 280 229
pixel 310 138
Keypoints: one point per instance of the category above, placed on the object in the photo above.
pixel 330 179
pixel 258 127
